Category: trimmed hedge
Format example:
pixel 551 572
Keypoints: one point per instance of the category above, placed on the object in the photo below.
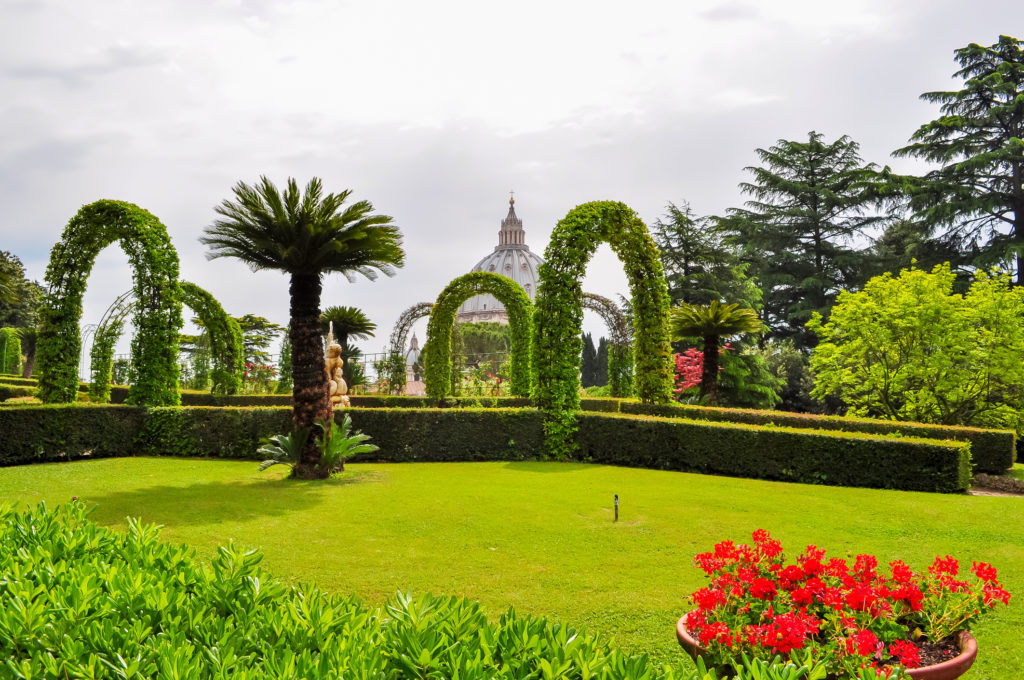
pixel 18 380
pixel 476 434
pixel 37 433
pixel 805 456
pixel 357 401
pixel 12 391
pixel 992 451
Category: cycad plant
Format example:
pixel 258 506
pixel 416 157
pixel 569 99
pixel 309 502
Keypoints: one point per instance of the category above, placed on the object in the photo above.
pixel 711 323
pixel 337 445
pixel 305 234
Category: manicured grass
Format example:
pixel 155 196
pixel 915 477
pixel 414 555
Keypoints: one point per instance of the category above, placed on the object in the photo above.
pixel 539 536
pixel 1018 471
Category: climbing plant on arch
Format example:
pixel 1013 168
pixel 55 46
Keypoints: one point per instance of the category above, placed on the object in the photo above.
pixel 437 361
pixel 158 320
pixel 226 346
pixel 559 315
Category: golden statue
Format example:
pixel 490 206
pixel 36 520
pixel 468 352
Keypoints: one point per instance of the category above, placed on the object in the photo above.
pixel 335 363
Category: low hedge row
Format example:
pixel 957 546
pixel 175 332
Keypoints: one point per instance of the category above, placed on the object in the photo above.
pixel 806 456
pixel 10 391
pixel 10 379
pixel 992 451
pixel 35 433
pixel 82 601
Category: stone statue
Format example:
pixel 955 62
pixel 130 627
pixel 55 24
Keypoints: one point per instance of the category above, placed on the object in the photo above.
pixel 335 363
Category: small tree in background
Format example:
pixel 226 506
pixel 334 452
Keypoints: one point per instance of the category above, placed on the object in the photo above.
pixel 711 323
pixel 908 347
pixel 601 363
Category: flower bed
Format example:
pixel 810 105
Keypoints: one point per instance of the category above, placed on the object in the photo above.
pixel 850 616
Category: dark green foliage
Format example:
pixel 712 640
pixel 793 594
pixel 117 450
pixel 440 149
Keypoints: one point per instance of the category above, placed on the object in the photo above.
pixel 10 350
pixel 811 203
pixel 992 451
pixel 349 323
pixel 437 350
pixel 601 363
pixel 620 370
pixel 710 323
pixel 19 304
pixel 700 265
pixel 391 373
pixel 746 381
pixel 155 284
pixel 81 601
pixel 557 345
pixel 209 432
pixel 101 356
pixel 977 193
pixel 805 456
pixel 588 362
pixel 34 433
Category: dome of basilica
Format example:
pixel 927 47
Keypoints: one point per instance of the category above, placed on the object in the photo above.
pixel 511 258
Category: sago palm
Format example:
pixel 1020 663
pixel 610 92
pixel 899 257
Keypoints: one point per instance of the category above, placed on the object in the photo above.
pixel 305 234
pixel 350 323
pixel 711 323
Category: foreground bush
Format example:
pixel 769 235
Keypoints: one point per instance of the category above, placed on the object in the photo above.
pixel 81 601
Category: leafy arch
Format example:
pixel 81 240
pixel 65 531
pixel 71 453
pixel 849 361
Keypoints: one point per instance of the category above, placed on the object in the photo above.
pixel 437 362
pixel 620 351
pixel 158 319
pixel 226 347
pixel 559 315
pixel 400 333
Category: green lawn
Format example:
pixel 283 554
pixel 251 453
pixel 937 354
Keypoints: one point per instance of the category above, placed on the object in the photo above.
pixel 539 536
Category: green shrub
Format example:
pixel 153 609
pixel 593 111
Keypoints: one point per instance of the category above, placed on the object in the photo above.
pixel 10 350
pixel 36 433
pixel 18 380
pixel 992 451
pixel 83 601
pixel 759 452
pixel 203 431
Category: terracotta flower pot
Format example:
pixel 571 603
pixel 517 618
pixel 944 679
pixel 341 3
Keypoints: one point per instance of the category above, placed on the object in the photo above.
pixel 947 670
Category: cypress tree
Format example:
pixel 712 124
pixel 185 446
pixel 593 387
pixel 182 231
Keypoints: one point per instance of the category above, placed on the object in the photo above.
pixel 588 368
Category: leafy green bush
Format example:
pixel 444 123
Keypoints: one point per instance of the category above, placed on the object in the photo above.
pixel 761 452
pixel 992 451
pixel 83 601
pixel 14 391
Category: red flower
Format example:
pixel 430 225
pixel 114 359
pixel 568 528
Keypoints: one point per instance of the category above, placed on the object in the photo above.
pixel 863 642
pixel 901 573
pixel 906 652
pixel 986 572
pixel 707 599
pixel 993 592
pixel 790 575
pixel 944 566
pixel 762 588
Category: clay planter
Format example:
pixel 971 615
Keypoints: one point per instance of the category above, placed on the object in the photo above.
pixel 947 670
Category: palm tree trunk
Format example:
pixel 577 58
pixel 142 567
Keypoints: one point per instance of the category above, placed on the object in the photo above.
pixel 311 392
pixel 709 372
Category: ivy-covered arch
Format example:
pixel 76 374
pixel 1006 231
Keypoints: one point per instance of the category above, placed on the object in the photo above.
pixel 559 317
pixel 620 350
pixel 437 361
pixel 158 320
pixel 226 347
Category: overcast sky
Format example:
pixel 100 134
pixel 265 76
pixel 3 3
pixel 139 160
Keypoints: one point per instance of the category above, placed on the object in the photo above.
pixel 433 111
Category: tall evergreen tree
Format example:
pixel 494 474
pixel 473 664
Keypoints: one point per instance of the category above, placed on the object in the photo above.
pixel 811 204
pixel 699 265
pixel 977 193
pixel 601 363
pixel 588 369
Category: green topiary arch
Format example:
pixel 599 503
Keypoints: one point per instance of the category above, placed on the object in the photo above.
pixel 226 347
pixel 559 317
pixel 158 321
pixel 437 360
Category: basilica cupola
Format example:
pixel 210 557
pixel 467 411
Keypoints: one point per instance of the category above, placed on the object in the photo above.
pixel 511 258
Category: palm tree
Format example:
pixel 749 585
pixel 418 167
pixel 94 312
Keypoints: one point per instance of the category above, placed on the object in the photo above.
pixel 711 323
pixel 349 323
pixel 306 235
